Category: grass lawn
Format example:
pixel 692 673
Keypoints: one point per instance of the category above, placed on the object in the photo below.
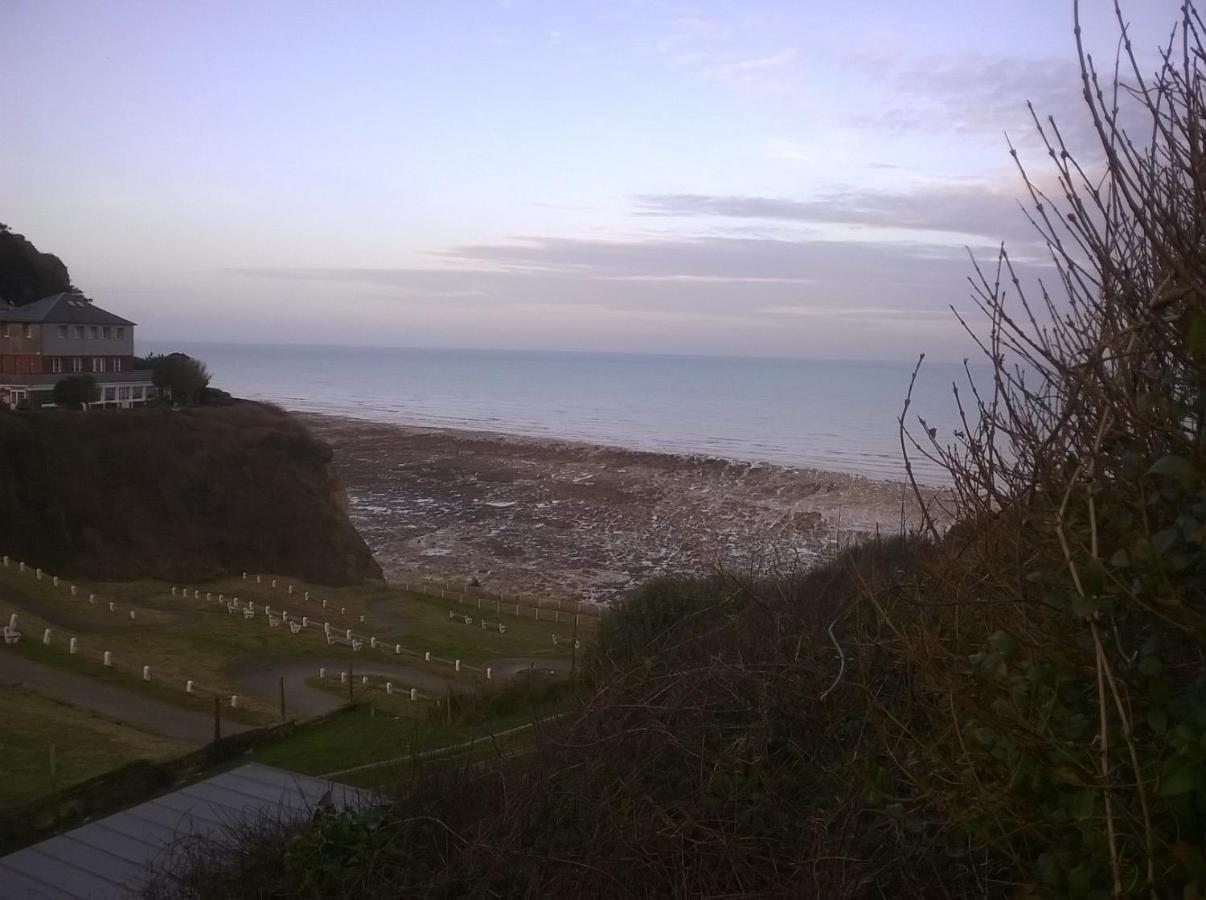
pixel 84 745
pixel 190 638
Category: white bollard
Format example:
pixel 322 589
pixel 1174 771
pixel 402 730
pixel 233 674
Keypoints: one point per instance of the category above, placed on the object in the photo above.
pixel 427 656
pixel 46 636
pixel 208 596
pixel 458 665
pixel 92 598
pixel 343 677
pixel 234 701
pixel 244 576
pixel 324 602
pixel 74 590
pixel 112 606
pixel 173 590
pixel 348 634
pixel 397 648
pixel 20 567
pixel 146 673
pixel 389 688
pixel 343 611
pixel 364 680
pixel 326 628
pixel 372 643
pixel 221 598
pixel 489 673
pixel 362 620
pixel 39 574
pixel 322 672
pixel 274 584
pixel 108 658
pixel 414 695
pixel 307 596
pixel 6 562
pixel 73 646
pixel 188 687
pixel 12 622
pixel 257 579
pixel 131 614
pixel 305 621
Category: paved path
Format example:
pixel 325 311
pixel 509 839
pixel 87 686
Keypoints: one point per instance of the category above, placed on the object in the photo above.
pixel 116 703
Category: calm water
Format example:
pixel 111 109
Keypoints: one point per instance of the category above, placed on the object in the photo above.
pixel 830 415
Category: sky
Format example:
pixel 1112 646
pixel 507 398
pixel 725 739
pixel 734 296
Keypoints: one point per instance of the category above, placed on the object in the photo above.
pixel 800 179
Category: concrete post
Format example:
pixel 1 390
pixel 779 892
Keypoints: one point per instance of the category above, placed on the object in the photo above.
pixel 46 636
pixel 257 579
pixel 20 567
pixel 322 672
pixel 74 590
pixel 343 677
pixel 73 646
pixel 146 673
pixel 221 598
pixel 414 695
pixel 458 665
pixel 208 596
pixel 108 658
pixel 343 611
pixel 305 621
pixel 131 614
pixel 39 574
pixel 274 584
pixel 112 606
pixel 389 688
pixel 427 656
pixel 306 596
pixel 92 598
pixel 372 643
pixel 234 701
pixel 362 620
pixel 489 673
pixel 364 680
pixel 188 687
pixel 244 576
pixel 324 602
pixel 12 621
pixel 348 634
pixel 290 591
pixel 397 648
pixel 6 562
pixel 173 590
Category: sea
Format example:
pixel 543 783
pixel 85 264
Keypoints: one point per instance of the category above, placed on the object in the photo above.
pixel 820 414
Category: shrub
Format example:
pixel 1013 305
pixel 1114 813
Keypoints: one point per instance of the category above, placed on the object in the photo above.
pixel 75 392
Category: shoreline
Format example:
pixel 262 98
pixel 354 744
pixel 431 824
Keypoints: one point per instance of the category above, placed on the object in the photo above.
pixel 563 518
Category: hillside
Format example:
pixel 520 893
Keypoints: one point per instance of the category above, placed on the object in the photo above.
pixel 26 274
pixel 176 495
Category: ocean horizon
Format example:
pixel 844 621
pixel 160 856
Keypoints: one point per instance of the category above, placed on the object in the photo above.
pixel 830 415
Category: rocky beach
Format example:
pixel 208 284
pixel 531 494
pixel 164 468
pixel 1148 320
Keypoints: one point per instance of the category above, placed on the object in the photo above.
pixel 561 519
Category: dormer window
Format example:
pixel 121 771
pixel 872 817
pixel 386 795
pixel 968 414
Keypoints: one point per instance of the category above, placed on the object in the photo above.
pixel 95 332
pixel 28 332
pixel 106 333
pixel 79 332
pixel 121 333
pixel 63 332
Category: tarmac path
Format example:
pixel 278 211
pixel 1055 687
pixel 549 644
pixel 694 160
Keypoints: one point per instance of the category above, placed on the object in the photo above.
pixel 112 702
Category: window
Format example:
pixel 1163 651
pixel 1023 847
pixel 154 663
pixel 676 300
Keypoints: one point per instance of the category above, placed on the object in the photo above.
pixel 79 332
pixel 98 364
pixel 77 364
pixel 110 394
pixel 117 363
pixel 62 332
pixel 105 332
pixel 28 332
pixel 121 333
pixel 95 332
pixel 123 393
pixel 56 364
pixel 3 329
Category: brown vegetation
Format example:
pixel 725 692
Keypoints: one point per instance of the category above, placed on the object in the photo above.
pixel 175 495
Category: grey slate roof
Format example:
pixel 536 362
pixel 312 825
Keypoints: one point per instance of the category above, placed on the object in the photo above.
pixel 111 857
pixel 67 308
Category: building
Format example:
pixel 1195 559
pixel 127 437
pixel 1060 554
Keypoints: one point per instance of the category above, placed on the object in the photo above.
pixel 67 334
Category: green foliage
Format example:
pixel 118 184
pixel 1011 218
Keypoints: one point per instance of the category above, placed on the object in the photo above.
pixel 26 274
pixel 75 391
pixel 179 376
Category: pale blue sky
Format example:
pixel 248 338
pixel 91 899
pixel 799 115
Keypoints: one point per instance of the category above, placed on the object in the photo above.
pixel 766 178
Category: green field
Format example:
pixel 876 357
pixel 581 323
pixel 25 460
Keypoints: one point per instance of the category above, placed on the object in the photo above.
pixel 189 638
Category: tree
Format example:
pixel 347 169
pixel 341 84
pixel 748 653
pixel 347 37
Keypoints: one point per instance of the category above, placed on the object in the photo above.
pixel 76 392
pixel 181 376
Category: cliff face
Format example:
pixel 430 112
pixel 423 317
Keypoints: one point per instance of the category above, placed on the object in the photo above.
pixel 178 495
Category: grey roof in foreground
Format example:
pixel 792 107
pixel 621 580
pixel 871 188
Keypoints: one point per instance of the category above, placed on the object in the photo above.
pixel 65 308
pixel 111 857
